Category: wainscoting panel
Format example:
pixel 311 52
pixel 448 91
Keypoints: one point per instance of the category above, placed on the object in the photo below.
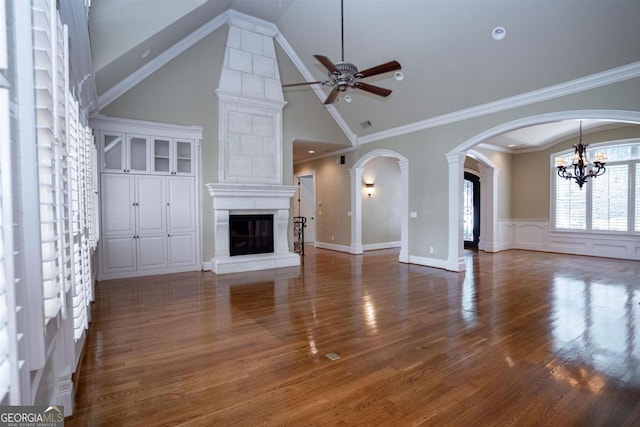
pixel 536 235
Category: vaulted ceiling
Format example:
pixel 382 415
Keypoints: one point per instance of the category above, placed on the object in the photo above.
pixel 450 61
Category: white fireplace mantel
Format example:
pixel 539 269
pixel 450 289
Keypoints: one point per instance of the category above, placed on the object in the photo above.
pixel 238 199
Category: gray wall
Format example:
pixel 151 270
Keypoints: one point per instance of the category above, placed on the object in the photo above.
pixel 183 92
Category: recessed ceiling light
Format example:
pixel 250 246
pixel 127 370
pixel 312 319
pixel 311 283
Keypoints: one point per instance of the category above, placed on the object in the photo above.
pixel 398 76
pixel 347 98
pixel 498 33
pixel 146 53
pixel 511 145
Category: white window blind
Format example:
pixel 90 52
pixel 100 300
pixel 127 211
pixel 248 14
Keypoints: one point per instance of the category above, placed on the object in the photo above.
pixel 50 155
pixel 6 278
pixel 571 205
pixel 610 199
pixel 637 197
pixel 9 378
pixel 607 203
pixel 79 303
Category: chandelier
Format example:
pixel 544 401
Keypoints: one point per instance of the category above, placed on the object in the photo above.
pixel 580 168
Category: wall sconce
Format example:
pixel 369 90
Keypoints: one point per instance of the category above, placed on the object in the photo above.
pixel 369 188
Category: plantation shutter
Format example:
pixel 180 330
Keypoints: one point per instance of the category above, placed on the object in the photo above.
pixel 9 383
pixel 610 199
pixel 51 79
pixel 571 205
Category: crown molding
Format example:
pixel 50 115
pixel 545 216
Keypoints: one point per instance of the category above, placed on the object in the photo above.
pixel 229 16
pixel 614 75
pixel 325 155
pixel 116 124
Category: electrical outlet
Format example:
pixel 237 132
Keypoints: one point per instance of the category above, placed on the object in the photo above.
pixel 332 238
pixel 430 249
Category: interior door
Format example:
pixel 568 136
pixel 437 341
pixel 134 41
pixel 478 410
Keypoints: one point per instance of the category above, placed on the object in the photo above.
pixel 307 206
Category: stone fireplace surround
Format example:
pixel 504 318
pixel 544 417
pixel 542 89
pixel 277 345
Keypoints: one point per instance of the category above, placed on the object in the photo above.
pixel 239 199
pixel 250 148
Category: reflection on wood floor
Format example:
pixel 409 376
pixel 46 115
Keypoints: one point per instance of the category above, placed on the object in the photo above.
pixel 521 338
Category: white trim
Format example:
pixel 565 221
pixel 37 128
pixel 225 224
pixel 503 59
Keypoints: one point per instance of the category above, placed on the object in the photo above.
pixel 536 235
pixel 455 178
pixel 382 245
pixel 162 59
pixel 334 247
pixel 154 272
pixel 293 56
pixel 615 115
pixel 430 262
pixel 611 76
pixel 356 200
pixel 145 127
pixel 325 155
pixel 73 13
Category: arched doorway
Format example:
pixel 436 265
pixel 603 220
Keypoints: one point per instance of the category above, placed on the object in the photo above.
pixel 455 258
pixel 356 173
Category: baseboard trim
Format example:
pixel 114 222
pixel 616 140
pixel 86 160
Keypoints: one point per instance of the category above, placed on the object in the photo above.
pixel 378 246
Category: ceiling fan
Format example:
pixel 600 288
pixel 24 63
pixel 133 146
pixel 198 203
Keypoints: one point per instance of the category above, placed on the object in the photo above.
pixel 344 75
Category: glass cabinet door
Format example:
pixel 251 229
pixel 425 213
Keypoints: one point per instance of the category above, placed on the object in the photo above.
pixel 138 153
pixel 184 157
pixel 113 152
pixel 161 155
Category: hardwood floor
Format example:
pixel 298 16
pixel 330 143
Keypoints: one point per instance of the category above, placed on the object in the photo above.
pixel 523 338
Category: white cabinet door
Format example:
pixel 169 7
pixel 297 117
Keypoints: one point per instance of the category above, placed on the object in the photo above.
pixel 138 154
pixel 150 204
pixel 152 252
pixel 182 157
pixel 161 155
pixel 113 151
pixel 181 208
pixel 117 205
pixel 182 249
pixel 118 254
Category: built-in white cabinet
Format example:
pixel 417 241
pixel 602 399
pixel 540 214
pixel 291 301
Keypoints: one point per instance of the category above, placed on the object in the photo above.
pixel 172 156
pixel 144 154
pixel 149 198
pixel 124 153
pixel 149 222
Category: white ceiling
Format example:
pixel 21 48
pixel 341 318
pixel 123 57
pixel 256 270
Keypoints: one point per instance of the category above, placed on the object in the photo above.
pixel 449 59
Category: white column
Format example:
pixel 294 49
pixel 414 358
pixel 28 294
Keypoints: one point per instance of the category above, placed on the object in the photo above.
pixel 221 233
pixel 356 210
pixel 281 224
pixel 404 211
pixel 488 208
pixel 455 257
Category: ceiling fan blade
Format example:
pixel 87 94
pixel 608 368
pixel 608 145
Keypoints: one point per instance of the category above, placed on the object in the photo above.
pixel 332 96
pixel 305 83
pixel 377 90
pixel 327 63
pixel 379 69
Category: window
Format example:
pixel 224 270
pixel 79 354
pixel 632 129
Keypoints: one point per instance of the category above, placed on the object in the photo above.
pixel 608 203
pixel 9 382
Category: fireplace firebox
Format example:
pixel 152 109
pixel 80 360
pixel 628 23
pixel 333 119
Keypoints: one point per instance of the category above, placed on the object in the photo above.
pixel 250 234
